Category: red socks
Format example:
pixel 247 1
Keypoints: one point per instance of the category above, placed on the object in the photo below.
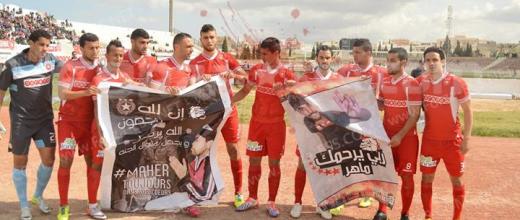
pixel 458 201
pixel 93 178
pixel 236 169
pixel 407 190
pixel 299 184
pixel 255 172
pixel 274 181
pixel 382 207
pixel 426 197
pixel 63 185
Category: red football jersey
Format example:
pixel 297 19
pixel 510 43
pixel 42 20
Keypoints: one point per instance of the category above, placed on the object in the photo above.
pixel 218 63
pixel 441 99
pixel 169 72
pixel 316 75
pixel 377 74
pixel 77 75
pixel 397 97
pixel 105 76
pixel 267 107
pixel 139 69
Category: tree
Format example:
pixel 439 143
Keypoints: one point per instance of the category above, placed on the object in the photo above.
pixel 458 50
pixel 446 46
pixel 246 53
pixel 379 47
pixel 469 50
pixel 225 46
pixel 410 50
pixel 391 46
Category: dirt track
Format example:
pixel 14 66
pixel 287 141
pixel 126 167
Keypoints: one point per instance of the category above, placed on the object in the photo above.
pixel 491 183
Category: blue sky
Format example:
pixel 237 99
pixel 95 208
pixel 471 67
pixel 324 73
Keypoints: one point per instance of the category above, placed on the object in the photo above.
pixel 422 20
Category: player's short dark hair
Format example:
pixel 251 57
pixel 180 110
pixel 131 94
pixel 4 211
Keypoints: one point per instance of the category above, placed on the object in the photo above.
pixel 272 44
pixel 114 43
pixel 401 53
pixel 90 37
pixel 37 34
pixel 179 37
pixel 364 44
pixel 296 101
pixel 207 28
pixel 434 50
pixel 139 33
pixel 324 48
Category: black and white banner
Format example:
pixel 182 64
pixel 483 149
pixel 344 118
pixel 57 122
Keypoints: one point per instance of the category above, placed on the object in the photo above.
pixel 342 141
pixel 161 152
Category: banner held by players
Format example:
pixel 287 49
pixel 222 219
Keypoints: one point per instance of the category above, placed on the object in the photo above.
pixel 161 148
pixel 342 141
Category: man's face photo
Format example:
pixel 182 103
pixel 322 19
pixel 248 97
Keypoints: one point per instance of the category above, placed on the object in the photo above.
pixel 199 146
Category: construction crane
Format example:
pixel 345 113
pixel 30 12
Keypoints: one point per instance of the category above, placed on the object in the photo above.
pixel 244 22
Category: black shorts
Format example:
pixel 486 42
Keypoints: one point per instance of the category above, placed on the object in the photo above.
pixel 22 131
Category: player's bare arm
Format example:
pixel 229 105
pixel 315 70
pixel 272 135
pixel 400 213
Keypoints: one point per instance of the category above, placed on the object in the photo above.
pixel 413 116
pixel 468 125
pixel 67 94
pixel 242 93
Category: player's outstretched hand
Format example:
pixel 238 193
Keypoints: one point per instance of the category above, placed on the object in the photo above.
pixel 206 77
pixel 103 143
pixel 93 90
pixel 173 90
pixel 290 83
pixel 227 75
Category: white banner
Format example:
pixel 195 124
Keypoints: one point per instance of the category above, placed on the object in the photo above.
pixel 161 152
pixel 342 141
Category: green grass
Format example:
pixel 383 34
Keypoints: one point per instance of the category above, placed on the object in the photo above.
pixel 245 106
pixel 488 75
pixel 496 124
pixel 486 124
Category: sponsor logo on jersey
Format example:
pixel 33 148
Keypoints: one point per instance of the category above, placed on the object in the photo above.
pixel 81 84
pixel 33 83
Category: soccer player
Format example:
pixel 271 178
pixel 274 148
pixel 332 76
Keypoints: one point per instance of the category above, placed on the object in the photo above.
pixel 267 127
pixel 136 62
pixel 28 76
pixel 443 138
pixel 214 62
pixel 322 72
pixel 173 74
pixel 401 100
pixel 364 66
pixel 75 118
